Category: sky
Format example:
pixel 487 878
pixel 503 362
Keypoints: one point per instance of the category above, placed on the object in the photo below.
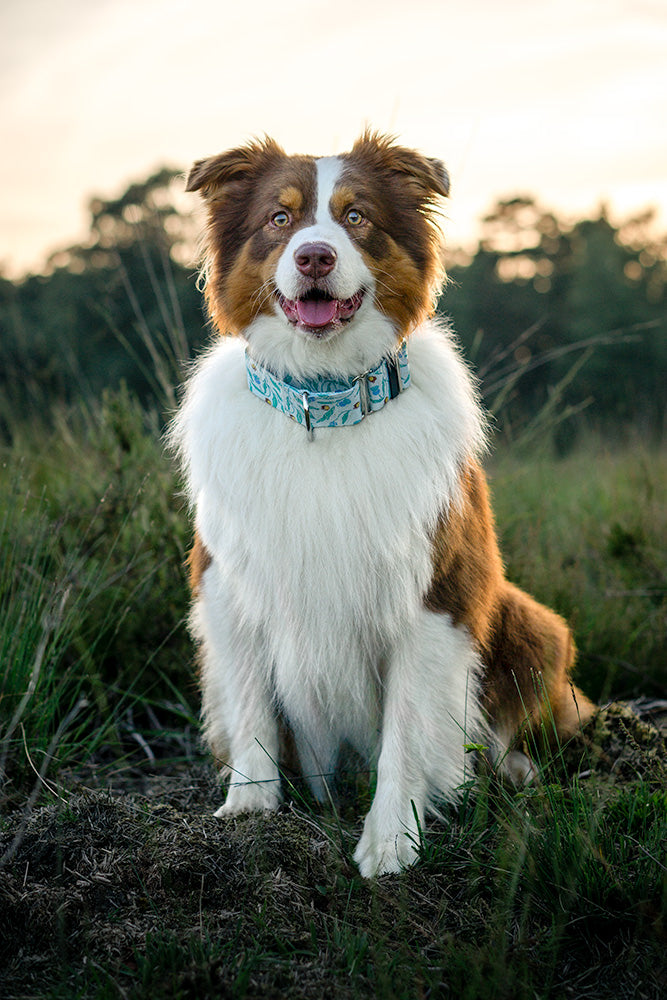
pixel 562 99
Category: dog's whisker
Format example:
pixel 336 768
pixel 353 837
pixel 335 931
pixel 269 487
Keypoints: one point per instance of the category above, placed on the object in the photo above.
pixel 263 293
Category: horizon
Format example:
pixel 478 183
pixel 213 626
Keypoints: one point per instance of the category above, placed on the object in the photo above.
pixel 565 102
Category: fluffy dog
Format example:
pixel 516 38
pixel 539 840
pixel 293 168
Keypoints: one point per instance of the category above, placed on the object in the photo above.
pixel 345 570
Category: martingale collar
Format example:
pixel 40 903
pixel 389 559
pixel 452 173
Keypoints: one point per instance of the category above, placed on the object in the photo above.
pixel 327 402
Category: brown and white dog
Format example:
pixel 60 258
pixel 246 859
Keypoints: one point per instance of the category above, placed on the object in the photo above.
pixel 345 571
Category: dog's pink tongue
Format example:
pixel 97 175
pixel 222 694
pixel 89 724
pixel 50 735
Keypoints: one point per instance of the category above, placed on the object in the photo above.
pixel 317 312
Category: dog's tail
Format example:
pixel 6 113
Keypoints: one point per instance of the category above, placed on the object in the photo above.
pixel 528 682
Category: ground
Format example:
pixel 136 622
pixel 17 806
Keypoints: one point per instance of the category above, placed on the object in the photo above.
pixel 136 890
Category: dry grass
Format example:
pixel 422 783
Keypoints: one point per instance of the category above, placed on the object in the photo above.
pixel 140 892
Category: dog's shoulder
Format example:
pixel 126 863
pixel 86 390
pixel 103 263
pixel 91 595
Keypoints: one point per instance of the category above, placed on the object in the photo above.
pixel 446 391
pixel 215 398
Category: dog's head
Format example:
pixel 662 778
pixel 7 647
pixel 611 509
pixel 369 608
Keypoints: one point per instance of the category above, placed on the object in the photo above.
pixel 317 244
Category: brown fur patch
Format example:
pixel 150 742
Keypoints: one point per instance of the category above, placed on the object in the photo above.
pixel 397 190
pixel 291 198
pixel 527 649
pixel 401 292
pixel 213 175
pixel 528 669
pixel 248 290
pixel 199 560
pixel 243 189
pixel 342 199
pixel 468 570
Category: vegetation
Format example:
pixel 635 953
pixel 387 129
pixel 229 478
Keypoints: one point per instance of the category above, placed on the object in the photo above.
pixel 561 318
pixel 119 308
pixel 115 879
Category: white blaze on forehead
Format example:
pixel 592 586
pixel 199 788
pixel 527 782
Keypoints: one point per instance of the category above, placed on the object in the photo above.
pixel 329 169
pixel 350 273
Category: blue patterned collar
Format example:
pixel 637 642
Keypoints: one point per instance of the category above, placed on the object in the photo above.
pixel 326 402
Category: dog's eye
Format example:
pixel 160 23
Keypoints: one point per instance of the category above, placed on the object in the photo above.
pixel 280 220
pixel 354 217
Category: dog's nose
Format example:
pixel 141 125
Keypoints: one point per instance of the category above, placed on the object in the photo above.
pixel 315 260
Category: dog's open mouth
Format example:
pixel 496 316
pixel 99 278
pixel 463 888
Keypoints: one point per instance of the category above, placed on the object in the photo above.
pixel 317 310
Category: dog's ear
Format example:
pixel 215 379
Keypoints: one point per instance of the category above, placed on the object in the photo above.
pixel 439 176
pixel 210 176
pixel 429 175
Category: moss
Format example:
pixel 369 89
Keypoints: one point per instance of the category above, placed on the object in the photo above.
pixel 618 744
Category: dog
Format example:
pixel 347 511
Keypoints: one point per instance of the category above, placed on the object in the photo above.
pixel 346 578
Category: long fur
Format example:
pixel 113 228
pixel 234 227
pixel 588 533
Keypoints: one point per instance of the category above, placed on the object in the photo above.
pixel 350 586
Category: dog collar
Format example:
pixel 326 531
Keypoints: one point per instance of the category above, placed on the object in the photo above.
pixel 330 402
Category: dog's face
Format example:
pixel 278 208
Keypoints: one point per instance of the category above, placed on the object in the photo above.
pixel 316 244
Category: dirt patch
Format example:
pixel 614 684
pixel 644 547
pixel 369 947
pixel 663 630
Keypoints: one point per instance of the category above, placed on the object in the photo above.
pixel 145 893
pixel 96 879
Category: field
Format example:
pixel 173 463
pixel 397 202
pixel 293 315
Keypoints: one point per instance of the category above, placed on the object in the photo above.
pixel 116 881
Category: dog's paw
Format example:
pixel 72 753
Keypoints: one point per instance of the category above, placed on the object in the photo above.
pixel 249 797
pixel 518 768
pixel 385 855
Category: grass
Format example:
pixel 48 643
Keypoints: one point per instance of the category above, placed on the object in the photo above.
pixel 586 533
pixel 556 892
pixel 92 595
pixel 116 881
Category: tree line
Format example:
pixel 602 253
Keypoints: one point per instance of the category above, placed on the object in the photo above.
pixel 565 316
pixel 560 320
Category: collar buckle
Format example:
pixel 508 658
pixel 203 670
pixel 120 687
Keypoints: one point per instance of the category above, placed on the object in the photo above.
pixel 364 397
pixel 306 416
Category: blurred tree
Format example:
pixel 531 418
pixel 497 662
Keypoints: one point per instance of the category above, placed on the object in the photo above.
pixel 540 300
pixel 122 306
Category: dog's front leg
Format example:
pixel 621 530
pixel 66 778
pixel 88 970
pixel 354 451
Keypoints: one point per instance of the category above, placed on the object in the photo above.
pixel 390 838
pixel 254 783
pixel 240 721
pixel 430 711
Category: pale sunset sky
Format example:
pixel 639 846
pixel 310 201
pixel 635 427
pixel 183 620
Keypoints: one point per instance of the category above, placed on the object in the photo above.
pixel 562 99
